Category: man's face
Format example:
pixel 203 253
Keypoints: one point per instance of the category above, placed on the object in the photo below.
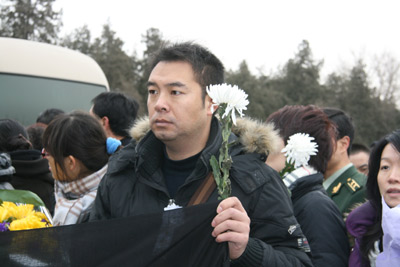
pixel 277 160
pixel 360 161
pixel 389 176
pixel 175 105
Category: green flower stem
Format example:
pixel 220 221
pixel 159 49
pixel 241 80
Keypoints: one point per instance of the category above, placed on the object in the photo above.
pixel 222 167
pixel 289 167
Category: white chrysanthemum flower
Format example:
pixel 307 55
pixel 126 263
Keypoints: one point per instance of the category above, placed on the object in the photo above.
pixel 233 96
pixel 299 149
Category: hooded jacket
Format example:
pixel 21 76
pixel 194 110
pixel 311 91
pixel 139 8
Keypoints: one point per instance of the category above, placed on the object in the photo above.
pixel 32 173
pixel 134 184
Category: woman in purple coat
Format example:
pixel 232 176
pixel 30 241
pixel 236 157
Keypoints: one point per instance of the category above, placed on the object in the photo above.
pixel 376 241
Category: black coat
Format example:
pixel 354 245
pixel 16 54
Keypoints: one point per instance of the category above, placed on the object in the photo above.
pixel 32 173
pixel 321 222
pixel 134 184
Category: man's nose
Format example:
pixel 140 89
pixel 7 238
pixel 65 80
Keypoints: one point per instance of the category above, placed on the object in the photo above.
pixel 162 103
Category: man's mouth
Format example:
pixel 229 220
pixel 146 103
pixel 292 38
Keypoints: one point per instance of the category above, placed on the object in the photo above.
pixel 161 122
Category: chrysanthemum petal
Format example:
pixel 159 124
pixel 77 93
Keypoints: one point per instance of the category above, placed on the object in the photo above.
pixel 235 98
pixel 299 149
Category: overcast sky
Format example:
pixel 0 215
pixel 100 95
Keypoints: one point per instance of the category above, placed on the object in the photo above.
pixel 264 33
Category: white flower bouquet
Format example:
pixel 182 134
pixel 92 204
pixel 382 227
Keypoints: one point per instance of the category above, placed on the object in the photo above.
pixel 228 100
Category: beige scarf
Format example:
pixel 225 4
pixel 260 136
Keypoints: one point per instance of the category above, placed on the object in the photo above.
pixel 74 199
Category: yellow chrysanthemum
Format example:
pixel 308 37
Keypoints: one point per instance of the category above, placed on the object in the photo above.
pixel 23 211
pixel 29 222
pixel 8 205
pixel 24 216
pixel 4 214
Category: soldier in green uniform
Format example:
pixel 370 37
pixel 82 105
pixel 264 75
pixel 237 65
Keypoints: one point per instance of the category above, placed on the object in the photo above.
pixel 343 183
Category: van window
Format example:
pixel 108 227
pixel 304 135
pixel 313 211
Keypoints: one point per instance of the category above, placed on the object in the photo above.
pixel 23 98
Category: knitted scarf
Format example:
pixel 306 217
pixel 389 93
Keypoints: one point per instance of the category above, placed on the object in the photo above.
pixel 297 174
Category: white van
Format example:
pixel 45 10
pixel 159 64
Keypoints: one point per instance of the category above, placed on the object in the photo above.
pixel 36 76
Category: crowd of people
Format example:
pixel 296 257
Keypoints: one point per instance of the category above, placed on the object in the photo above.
pixel 337 208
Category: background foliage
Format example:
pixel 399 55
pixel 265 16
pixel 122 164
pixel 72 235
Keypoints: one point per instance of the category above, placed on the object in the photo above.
pixel 298 82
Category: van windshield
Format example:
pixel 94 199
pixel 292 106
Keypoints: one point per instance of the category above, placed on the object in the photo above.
pixel 23 98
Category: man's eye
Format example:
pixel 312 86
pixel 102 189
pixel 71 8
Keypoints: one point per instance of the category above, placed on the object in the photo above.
pixel 364 168
pixel 152 92
pixel 175 92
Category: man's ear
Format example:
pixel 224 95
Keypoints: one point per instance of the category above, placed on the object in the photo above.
pixel 344 143
pixel 209 103
pixel 105 122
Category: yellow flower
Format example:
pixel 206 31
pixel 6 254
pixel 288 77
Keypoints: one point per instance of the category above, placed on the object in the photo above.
pixel 23 211
pixel 4 214
pixel 23 216
pixel 41 216
pixel 29 222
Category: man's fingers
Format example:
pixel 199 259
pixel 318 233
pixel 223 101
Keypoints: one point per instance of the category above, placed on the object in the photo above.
pixel 230 214
pixel 231 226
pixel 231 202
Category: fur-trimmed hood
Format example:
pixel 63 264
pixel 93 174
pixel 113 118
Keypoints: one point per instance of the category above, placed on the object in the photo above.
pixel 255 136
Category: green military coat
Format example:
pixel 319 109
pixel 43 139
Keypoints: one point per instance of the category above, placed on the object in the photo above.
pixel 348 189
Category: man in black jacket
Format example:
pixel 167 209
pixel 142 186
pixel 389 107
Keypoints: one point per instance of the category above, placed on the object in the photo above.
pixel 170 159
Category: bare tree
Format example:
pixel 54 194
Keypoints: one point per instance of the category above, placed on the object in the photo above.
pixel 386 74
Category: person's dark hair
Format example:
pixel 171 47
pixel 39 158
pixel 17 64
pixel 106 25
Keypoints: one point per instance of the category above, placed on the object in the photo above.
pixel 120 109
pixel 356 148
pixel 77 134
pixel 311 120
pixel 35 134
pixel 13 136
pixel 375 232
pixel 344 124
pixel 48 115
pixel 207 68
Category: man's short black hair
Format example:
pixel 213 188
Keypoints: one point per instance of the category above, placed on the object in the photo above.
pixel 207 68
pixel 120 109
pixel 48 115
pixel 356 148
pixel 343 123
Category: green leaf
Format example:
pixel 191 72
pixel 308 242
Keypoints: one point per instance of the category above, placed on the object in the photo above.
pixel 216 170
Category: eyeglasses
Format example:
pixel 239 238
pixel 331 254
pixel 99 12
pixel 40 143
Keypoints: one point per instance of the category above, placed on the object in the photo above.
pixel 45 153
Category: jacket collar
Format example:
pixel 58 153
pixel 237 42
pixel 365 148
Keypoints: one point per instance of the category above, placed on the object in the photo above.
pixel 144 149
pixel 255 136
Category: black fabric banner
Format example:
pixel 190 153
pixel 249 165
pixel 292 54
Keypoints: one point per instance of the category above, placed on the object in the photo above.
pixel 180 237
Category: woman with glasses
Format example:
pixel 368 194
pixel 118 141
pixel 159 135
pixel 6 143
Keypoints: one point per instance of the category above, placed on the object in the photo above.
pixel 75 145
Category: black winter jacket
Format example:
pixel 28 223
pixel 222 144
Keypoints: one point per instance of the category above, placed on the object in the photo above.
pixel 32 173
pixel 134 184
pixel 321 222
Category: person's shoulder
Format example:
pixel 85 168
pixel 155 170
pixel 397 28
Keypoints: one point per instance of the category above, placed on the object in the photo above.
pixel 251 172
pixel 360 218
pixel 317 199
pixel 349 182
pixel 354 181
pixel 122 159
